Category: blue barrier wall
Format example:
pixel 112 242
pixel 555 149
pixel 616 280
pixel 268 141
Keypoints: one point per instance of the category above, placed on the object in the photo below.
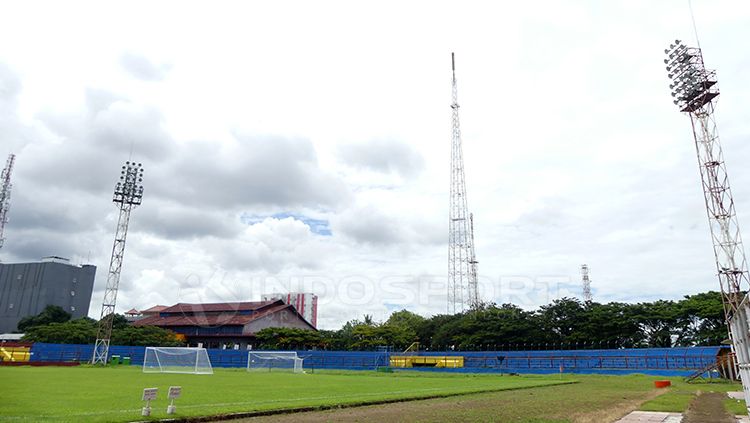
pixel 657 361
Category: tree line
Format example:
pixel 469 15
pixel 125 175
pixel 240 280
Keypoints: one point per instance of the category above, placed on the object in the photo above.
pixel 54 325
pixel 566 323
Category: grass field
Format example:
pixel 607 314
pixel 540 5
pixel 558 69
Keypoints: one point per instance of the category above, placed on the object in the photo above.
pixel 114 393
pixel 595 399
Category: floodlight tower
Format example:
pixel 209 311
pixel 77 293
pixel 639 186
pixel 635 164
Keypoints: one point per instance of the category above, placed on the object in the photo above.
pixel 128 195
pixel 694 89
pixel 586 282
pixel 462 263
pixel 5 187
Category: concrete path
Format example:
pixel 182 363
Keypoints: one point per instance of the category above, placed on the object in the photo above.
pixel 660 417
pixel 651 417
pixel 736 395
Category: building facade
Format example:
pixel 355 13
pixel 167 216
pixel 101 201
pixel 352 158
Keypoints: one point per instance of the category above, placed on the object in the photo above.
pixel 304 302
pixel 27 288
pixel 225 325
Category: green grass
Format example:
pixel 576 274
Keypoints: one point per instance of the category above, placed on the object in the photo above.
pixel 113 394
pixel 679 396
pixel 736 407
pixel 595 398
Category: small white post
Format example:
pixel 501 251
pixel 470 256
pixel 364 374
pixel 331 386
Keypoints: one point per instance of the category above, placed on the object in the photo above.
pixel 174 393
pixel 148 395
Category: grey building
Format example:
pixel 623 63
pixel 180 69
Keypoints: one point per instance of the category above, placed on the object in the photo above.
pixel 26 288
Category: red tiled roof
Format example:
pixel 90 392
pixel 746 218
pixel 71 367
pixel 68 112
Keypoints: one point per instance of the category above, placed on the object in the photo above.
pixel 217 307
pixel 220 319
pixel 132 311
pixel 154 309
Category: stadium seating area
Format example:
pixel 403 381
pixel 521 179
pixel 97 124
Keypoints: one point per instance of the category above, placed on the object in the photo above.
pixel 656 361
pixel 14 353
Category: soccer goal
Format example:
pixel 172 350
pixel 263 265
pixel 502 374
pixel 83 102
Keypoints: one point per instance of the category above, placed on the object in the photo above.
pixel 177 360
pixel 270 361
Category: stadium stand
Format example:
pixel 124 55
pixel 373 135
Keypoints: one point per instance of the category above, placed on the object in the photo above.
pixel 656 361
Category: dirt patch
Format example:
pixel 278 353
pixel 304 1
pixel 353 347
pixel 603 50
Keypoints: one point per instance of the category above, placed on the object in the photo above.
pixel 616 411
pixel 708 408
pixel 564 403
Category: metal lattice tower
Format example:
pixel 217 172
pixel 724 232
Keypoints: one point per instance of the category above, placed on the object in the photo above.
pixel 5 187
pixel 586 282
pixel 128 195
pixel 462 263
pixel 694 90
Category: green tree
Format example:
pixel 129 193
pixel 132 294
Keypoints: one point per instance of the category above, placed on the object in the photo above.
pixel 145 336
pixel 405 319
pixel 289 338
pixel 50 314
pixel 84 331
pixel 563 321
pixel 610 325
pixel 79 331
pixel 701 320
pixel 658 322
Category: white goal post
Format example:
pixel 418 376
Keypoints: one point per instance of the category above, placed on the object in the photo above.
pixel 177 360
pixel 270 361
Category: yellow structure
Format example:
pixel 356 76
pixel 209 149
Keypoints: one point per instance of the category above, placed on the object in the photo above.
pixel 427 361
pixel 20 354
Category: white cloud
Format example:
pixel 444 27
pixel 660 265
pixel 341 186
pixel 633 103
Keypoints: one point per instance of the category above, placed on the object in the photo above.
pixel 339 113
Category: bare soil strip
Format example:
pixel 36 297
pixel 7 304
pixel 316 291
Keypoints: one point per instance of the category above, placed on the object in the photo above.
pixel 497 406
pixel 708 408
pixel 616 411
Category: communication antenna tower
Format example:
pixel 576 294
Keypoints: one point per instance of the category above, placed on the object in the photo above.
pixel 462 263
pixel 128 195
pixel 5 187
pixel 586 283
pixel 694 89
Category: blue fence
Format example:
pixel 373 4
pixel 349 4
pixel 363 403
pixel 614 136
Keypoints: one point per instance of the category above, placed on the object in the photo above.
pixel 657 361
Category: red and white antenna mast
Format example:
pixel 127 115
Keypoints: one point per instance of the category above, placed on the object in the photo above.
pixel 694 89
pixel 586 282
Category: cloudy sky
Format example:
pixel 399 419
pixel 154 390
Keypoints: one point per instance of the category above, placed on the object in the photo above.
pixel 306 145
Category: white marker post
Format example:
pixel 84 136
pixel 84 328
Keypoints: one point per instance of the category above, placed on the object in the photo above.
pixel 174 393
pixel 148 395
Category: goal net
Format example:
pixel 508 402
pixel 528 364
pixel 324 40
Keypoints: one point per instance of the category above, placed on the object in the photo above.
pixel 269 361
pixel 177 360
